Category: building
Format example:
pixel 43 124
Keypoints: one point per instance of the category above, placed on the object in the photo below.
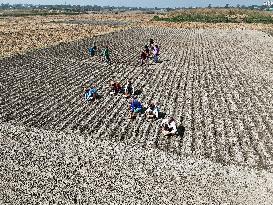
pixel 268 3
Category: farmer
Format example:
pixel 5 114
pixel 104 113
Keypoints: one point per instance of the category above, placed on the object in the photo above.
pixel 106 55
pixel 151 42
pixel 143 57
pixel 152 110
pixel 135 107
pixel 129 89
pixel 168 126
pixel 91 93
pixel 156 53
pixel 92 50
pixel 147 50
pixel 115 87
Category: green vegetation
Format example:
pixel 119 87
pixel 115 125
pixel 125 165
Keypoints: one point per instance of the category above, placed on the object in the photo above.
pixel 218 16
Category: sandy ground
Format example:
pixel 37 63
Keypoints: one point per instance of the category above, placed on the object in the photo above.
pixel 45 167
pixel 216 83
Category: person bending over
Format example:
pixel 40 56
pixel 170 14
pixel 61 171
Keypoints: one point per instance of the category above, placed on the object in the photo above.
pixel 156 53
pixel 106 55
pixel 92 51
pixel 168 126
pixel 151 42
pixel 152 110
pixel 143 57
pixel 91 93
pixel 147 51
pixel 115 87
pixel 135 107
pixel 129 89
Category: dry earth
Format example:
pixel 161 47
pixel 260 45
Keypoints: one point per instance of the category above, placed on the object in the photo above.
pixel 216 83
pixel 199 25
pixel 45 167
pixel 22 34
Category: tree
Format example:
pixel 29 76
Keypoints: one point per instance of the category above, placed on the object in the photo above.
pixel 209 6
pixel 227 6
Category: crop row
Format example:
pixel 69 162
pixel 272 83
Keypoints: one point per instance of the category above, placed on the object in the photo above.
pixel 217 84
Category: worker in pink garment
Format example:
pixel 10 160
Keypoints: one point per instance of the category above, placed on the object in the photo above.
pixel 156 53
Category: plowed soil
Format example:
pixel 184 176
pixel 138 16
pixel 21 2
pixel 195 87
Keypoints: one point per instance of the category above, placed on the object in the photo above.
pixel 217 84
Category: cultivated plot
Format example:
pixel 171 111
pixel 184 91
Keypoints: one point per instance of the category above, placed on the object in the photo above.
pixel 217 84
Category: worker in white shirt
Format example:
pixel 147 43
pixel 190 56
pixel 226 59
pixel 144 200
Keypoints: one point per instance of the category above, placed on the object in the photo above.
pixel 168 126
pixel 152 111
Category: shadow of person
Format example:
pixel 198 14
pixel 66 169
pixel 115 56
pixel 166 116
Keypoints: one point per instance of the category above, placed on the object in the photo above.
pixel 99 96
pixel 180 131
pixel 161 115
pixel 137 92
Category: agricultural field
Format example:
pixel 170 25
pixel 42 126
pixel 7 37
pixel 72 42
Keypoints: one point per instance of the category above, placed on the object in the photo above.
pixel 217 84
pixel 23 34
